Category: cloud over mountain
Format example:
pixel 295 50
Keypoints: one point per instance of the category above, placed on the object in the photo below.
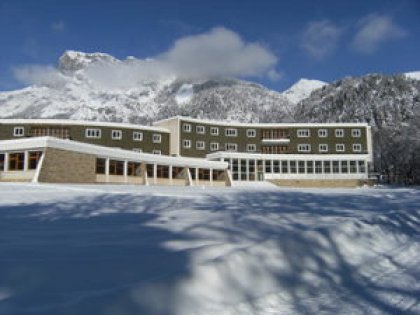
pixel 219 52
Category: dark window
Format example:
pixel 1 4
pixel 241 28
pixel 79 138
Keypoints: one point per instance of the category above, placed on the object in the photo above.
pixel 133 169
pixel 1 162
pixel 292 166
pixel 204 174
pixel 162 171
pixel 116 167
pixel 16 161
pixel 100 166
pixel 34 159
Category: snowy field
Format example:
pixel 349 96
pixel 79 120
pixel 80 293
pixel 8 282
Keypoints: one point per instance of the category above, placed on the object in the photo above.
pixel 130 250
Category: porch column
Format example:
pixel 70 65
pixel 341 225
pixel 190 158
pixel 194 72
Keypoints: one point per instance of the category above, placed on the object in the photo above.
pixel 155 174
pixel 6 161
pixel 196 176
pixel 211 177
pixel 170 175
pixel 26 161
pixel 107 170
pixel 125 172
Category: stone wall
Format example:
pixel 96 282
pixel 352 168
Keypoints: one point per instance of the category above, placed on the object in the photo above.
pixel 61 166
pixel 321 182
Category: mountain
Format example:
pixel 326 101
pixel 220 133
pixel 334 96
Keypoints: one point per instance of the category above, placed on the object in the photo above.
pixel 97 86
pixel 302 89
pixel 413 75
pixel 390 104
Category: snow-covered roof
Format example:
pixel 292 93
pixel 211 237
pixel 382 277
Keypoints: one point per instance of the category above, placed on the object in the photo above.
pixel 69 122
pixel 257 125
pixel 101 151
pixel 298 157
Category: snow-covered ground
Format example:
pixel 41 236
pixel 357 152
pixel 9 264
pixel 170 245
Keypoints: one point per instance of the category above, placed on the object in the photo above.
pixel 245 250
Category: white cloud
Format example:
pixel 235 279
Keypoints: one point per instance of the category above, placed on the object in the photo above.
pixel 39 74
pixel 373 30
pixel 320 38
pixel 217 53
pixel 58 26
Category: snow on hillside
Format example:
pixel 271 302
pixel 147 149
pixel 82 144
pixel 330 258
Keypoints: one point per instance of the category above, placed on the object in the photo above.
pixel 413 75
pixel 97 86
pixel 188 250
pixel 302 89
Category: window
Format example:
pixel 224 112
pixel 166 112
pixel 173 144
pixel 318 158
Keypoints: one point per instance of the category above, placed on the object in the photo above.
pixel 19 131
pixel 303 133
pixel 16 161
pixel 336 167
pixel 251 147
pixel 318 167
pixel 116 134
pixel 116 167
pixel 362 166
pixel 2 162
pixel 353 167
pixel 304 147
pixel 356 133
pixel 214 146
pixel 292 166
pixel 157 138
pixel 357 147
pixel 134 169
pixel 137 136
pixel 186 144
pixel 93 133
pixel 251 133
pixel 100 166
pixel 301 167
pixel 214 131
pixel 231 147
pixel 310 167
pixel 323 148
pixel 284 167
pixel 339 147
pixel 276 166
pixel 339 133
pixel 200 129
pixel 230 132
pixel 322 133
pixel 33 159
pixel 344 167
pixel 327 167
pixel 138 150
pixel 274 149
pixel 186 127
pixel 157 152
pixel 58 132
pixel 200 145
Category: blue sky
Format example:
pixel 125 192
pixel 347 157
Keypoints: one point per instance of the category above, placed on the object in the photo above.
pixel 323 40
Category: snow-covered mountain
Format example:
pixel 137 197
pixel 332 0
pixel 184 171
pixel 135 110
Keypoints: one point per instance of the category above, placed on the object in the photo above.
pixel 302 89
pixel 100 87
pixel 413 75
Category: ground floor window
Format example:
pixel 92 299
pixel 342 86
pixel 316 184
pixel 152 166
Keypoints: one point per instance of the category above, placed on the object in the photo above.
pixel 162 171
pixel 116 167
pixel 133 169
pixel 16 161
pixel 100 166
pixel 33 159
pixel 2 158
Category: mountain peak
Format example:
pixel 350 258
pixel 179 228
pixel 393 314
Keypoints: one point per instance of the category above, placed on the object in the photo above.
pixel 71 61
pixel 302 89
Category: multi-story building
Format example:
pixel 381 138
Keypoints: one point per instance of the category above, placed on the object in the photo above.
pixel 195 151
pixel 288 153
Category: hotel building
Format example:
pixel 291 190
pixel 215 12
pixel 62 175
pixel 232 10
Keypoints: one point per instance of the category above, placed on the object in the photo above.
pixel 184 151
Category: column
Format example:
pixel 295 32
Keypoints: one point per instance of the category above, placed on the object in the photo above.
pixel 170 174
pixel 196 176
pixel 255 170
pixel 247 170
pixel 107 170
pixel 239 169
pixel 6 161
pixel 26 161
pixel 211 177
pixel 155 174
pixel 125 171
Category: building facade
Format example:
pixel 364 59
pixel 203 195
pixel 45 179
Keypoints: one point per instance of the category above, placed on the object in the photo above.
pixel 286 153
pixel 337 154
